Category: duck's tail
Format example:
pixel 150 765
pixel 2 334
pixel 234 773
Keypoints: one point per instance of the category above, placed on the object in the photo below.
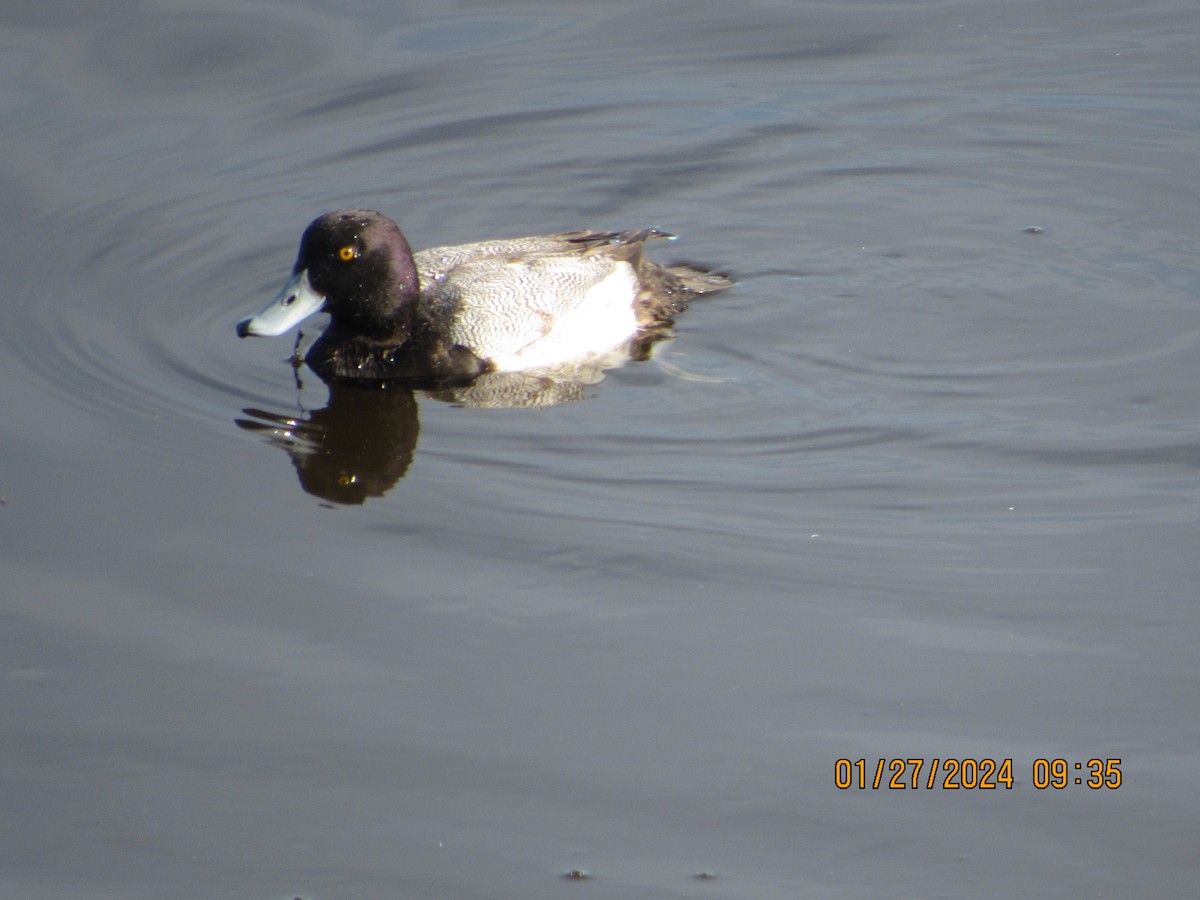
pixel 692 280
pixel 679 279
pixel 665 290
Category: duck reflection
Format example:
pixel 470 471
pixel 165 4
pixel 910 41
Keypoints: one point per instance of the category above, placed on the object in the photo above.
pixel 355 448
pixel 362 442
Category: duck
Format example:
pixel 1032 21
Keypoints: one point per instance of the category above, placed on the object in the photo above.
pixel 450 314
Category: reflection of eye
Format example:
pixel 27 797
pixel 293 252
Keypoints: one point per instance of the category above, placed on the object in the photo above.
pixel 348 253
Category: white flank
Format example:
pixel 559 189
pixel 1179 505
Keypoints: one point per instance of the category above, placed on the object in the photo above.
pixel 603 319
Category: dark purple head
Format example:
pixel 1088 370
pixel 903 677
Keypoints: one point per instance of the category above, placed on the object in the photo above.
pixel 358 260
pixel 355 265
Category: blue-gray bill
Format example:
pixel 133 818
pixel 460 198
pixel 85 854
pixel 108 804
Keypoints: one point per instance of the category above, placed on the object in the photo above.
pixel 292 305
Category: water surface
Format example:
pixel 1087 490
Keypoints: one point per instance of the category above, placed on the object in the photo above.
pixel 924 485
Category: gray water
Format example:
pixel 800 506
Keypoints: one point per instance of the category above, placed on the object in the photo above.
pixel 922 486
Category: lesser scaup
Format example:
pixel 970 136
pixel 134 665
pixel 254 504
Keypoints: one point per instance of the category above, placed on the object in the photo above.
pixel 452 313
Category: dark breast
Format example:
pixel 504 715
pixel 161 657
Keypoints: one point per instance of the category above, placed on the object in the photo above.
pixel 431 362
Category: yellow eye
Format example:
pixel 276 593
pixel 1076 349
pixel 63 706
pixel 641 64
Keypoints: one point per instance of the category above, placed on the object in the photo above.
pixel 348 253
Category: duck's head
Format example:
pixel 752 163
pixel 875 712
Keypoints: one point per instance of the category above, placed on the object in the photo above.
pixel 353 264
